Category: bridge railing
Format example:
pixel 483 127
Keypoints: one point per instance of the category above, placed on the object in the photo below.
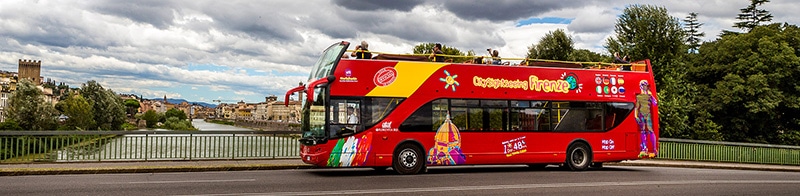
pixel 734 152
pixel 82 146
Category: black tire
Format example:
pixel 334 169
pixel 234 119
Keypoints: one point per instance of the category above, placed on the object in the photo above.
pixel 408 159
pixel 579 156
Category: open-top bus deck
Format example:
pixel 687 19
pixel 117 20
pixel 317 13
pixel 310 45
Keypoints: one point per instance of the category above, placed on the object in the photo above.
pixel 410 114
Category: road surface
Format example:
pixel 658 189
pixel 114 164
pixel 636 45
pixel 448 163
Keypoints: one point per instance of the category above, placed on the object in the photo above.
pixel 465 180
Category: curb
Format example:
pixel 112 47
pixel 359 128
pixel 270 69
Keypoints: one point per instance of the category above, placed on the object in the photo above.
pixel 60 171
pixel 708 166
pixel 239 167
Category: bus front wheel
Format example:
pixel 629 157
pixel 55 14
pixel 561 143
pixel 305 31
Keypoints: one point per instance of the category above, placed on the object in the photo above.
pixel 408 159
pixel 579 156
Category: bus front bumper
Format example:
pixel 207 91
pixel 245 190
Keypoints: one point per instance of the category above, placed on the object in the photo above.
pixel 313 155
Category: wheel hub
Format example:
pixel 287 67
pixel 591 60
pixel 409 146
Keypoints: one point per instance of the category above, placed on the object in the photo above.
pixel 408 158
pixel 578 157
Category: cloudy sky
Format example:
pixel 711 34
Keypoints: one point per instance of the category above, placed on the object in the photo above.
pixel 202 50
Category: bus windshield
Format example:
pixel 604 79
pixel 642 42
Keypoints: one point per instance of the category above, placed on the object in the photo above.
pixel 325 64
pixel 313 125
pixel 313 121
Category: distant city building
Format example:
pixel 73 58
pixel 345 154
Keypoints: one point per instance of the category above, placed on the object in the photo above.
pixel 30 69
pixel 3 104
pixel 225 111
pixel 279 112
pixel 8 81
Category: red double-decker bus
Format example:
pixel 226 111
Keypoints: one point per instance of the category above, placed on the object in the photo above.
pixel 409 114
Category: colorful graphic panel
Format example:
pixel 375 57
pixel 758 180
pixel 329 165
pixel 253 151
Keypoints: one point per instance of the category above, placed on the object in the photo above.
pixel 352 151
pixel 447 149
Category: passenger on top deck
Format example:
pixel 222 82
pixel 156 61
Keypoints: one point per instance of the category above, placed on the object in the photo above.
pixel 617 59
pixel 437 50
pixel 362 51
pixel 495 56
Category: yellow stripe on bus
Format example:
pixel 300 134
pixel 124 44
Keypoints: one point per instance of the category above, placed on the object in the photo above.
pixel 410 75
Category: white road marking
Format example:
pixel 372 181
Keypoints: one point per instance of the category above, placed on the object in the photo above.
pixel 191 181
pixel 517 186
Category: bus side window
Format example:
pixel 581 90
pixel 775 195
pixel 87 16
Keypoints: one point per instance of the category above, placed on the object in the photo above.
pixel 616 113
pixel 428 117
pixel 344 117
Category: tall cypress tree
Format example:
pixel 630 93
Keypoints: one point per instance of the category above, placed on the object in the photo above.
pixel 692 29
pixel 751 16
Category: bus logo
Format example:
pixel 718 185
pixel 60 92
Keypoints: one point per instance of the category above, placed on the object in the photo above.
pixel 450 81
pixel 385 76
pixel 386 126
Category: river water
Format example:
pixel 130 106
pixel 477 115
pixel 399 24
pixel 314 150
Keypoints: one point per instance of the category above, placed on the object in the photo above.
pixel 202 125
pixel 166 146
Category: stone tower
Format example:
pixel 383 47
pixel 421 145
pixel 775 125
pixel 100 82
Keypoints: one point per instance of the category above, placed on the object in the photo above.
pixel 30 69
pixel 299 94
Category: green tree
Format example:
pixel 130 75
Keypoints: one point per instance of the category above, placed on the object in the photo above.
pixel 749 82
pixel 427 48
pixel 555 45
pixel 751 16
pixel 151 118
pixel 132 105
pixel 27 107
pixel 584 55
pixel 533 52
pixel 10 125
pixel 648 32
pixel 175 113
pixel 173 123
pixel 680 115
pixel 692 29
pixel 110 113
pixel 80 113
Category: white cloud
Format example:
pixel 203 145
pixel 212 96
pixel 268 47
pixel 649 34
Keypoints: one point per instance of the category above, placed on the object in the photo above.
pixel 265 49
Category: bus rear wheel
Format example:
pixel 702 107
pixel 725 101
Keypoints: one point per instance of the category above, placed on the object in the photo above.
pixel 579 156
pixel 408 159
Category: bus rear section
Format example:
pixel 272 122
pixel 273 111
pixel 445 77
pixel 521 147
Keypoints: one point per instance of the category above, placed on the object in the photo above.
pixel 409 115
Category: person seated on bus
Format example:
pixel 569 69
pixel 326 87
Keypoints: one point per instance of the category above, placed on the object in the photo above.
pixel 626 67
pixel 362 51
pixel 344 125
pixel 352 120
pixel 495 56
pixel 618 59
pixel 351 115
pixel 436 54
pixel 477 60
